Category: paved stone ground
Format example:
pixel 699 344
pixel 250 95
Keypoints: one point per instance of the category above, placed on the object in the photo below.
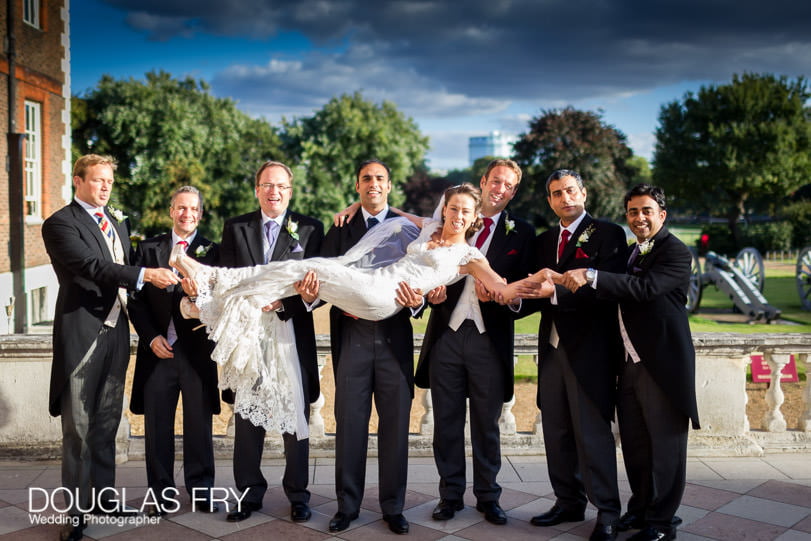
pixel 739 498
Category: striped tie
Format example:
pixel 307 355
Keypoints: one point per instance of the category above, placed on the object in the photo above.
pixel 104 224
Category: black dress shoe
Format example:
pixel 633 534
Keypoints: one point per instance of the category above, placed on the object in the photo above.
pixel 397 523
pixel 630 521
pixel 300 512
pixel 243 511
pixel 340 521
pixel 493 512
pixel 71 532
pixel 446 509
pixel 557 515
pixel 654 534
pixel 603 532
pixel 205 506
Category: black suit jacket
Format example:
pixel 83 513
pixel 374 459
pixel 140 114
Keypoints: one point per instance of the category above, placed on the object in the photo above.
pixel 151 309
pixel 652 297
pixel 397 327
pixel 242 247
pixel 587 326
pixel 509 255
pixel 88 285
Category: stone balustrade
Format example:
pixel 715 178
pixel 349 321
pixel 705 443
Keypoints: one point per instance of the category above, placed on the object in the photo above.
pixel 26 429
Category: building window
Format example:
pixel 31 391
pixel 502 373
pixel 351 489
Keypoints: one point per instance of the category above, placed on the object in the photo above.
pixel 33 159
pixel 31 12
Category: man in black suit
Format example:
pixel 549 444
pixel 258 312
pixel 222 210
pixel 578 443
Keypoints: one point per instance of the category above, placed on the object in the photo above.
pixel 174 356
pixel 275 233
pixel 88 243
pixel 467 352
pixel 578 352
pixel 657 397
pixel 370 358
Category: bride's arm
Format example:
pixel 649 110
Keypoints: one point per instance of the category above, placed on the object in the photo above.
pixel 413 218
pixel 482 271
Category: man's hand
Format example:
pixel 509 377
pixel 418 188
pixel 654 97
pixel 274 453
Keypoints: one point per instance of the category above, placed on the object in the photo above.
pixel 408 297
pixel 484 294
pixel 574 279
pixel 308 287
pixel 189 286
pixel 161 348
pixel 161 278
pixel 437 295
pixel 272 307
pixel 340 218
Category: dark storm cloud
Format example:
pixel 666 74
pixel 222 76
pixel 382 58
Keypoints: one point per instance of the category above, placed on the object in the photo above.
pixel 479 55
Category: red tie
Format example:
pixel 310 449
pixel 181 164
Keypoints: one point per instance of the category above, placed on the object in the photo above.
pixel 564 240
pixel 184 244
pixel 485 232
pixel 104 224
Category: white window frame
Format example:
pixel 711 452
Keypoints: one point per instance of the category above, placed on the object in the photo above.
pixel 32 162
pixel 31 12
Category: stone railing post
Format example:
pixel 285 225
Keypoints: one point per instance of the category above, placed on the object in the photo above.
pixel 427 420
pixel 805 418
pixel 506 423
pixel 773 420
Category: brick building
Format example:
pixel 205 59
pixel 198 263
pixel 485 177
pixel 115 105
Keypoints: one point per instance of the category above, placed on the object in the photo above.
pixel 41 38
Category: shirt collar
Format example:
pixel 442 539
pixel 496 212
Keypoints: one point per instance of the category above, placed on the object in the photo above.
pixel 572 226
pixel 87 206
pixel 380 215
pixel 190 239
pixel 278 219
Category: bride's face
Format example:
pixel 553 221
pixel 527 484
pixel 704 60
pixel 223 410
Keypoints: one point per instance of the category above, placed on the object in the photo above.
pixel 459 213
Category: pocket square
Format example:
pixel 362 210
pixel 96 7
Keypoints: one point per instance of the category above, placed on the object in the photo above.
pixel 580 254
pixel 512 252
pixel 297 248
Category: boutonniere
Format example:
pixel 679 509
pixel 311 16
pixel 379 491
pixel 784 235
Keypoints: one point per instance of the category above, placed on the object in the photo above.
pixel 292 229
pixel 136 239
pixel 646 247
pixel 116 213
pixel 509 225
pixel 585 236
pixel 201 250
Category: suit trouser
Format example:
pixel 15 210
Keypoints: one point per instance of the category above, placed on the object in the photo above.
pixel 249 443
pixel 168 379
pixel 464 364
pixel 368 366
pixel 91 404
pixel 654 446
pixel 580 449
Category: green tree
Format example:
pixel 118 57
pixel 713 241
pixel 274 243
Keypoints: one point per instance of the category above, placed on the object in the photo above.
pixel 348 130
pixel 165 133
pixel 733 146
pixel 579 140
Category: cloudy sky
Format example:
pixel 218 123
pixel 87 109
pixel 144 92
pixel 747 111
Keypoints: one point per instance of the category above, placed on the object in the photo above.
pixel 460 68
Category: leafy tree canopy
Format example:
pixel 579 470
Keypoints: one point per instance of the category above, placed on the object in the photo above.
pixel 733 146
pixel 578 140
pixel 347 131
pixel 166 133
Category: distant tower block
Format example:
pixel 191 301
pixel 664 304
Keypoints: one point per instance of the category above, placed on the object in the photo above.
pixel 496 144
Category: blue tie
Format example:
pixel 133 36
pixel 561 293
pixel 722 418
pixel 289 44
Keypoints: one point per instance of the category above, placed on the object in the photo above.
pixel 371 222
pixel 271 232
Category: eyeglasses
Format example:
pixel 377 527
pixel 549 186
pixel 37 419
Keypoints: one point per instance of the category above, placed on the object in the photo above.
pixel 646 211
pixel 279 187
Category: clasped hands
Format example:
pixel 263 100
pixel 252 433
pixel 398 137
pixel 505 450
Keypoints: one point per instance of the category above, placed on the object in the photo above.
pixel 572 279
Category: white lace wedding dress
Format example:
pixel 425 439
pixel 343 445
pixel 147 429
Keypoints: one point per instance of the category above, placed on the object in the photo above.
pixel 256 350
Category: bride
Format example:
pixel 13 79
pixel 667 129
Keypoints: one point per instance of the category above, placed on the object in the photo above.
pixel 362 282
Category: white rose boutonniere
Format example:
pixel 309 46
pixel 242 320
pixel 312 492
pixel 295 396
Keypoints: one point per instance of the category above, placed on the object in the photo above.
pixel 116 213
pixel 292 229
pixel 201 250
pixel 646 247
pixel 509 225
pixel 585 236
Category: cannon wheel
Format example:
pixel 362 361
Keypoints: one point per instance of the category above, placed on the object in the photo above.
pixel 695 288
pixel 750 263
pixel 804 278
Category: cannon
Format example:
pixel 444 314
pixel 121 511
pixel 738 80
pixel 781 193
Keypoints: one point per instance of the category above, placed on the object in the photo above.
pixel 804 277
pixel 742 280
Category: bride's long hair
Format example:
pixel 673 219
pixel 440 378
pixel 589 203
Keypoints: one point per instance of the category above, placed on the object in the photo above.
pixel 465 189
